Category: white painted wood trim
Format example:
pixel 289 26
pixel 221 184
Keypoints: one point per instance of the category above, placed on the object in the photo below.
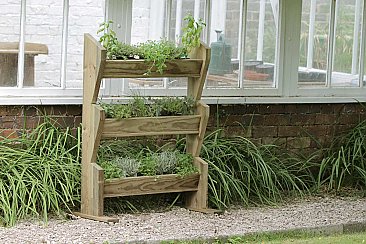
pixel 21 50
pixel 65 31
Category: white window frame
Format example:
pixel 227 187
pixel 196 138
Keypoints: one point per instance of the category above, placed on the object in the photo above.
pixel 286 74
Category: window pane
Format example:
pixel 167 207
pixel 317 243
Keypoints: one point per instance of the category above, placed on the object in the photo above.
pixel 347 43
pixel 80 23
pixel 224 36
pixel 9 41
pixel 260 43
pixel 314 43
pixel 43 64
pixel 148 18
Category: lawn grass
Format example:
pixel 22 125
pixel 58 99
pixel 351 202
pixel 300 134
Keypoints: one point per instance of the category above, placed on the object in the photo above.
pixel 295 237
pixel 333 239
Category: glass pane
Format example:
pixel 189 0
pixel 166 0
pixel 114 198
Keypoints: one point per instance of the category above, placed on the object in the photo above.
pixel 9 41
pixel 260 43
pixel 148 18
pixel 347 43
pixel 43 61
pixel 175 30
pixel 180 8
pixel 75 43
pixel 224 36
pixel 314 47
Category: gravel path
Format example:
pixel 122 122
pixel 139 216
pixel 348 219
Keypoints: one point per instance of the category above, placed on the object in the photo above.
pixel 182 224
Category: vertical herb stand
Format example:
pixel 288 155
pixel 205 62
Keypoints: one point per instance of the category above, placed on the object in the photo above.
pixel 94 188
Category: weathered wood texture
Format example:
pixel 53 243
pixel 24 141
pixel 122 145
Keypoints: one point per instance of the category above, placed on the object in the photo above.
pixel 144 185
pixel 97 175
pixel 97 218
pixel 138 68
pixel 195 84
pixel 29 48
pixel 96 126
pixel 194 142
pixel 150 126
pixel 198 199
pixel 94 58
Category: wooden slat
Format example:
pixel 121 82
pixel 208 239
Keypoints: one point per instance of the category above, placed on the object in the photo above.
pixel 30 48
pixel 97 177
pixel 198 199
pixel 137 69
pixel 105 219
pixel 194 142
pixel 143 185
pixel 93 117
pixel 195 84
pixel 149 126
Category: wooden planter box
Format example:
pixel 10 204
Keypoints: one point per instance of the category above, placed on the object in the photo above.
pixel 151 126
pixel 143 185
pixel 96 126
pixel 138 68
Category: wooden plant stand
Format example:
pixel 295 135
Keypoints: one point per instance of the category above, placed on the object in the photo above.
pixel 94 188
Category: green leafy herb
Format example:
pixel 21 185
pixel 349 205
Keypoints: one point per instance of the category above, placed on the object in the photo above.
pixel 192 33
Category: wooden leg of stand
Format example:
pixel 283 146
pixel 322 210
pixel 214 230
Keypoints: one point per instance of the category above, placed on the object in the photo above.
pixel 198 200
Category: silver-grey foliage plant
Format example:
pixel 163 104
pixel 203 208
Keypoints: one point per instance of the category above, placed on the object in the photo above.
pixel 166 162
pixel 129 166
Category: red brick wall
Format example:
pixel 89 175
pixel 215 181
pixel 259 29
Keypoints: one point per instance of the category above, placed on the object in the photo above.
pixel 293 126
pixel 14 119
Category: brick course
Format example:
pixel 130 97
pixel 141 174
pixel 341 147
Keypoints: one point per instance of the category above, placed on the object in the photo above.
pixel 292 126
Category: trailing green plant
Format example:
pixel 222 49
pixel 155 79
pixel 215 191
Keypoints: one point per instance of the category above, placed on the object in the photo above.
pixel 185 165
pixel 344 163
pixel 39 173
pixel 111 169
pixel 192 33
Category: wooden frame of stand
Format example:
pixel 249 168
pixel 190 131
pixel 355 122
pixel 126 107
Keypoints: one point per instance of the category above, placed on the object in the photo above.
pixel 94 188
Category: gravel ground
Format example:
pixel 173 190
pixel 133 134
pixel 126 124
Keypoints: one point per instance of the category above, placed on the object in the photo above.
pixel 180 223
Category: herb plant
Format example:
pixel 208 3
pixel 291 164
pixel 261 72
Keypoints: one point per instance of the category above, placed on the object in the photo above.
pixel 141 107
pixel 166 162
pixel 129 166
pixel 192 33
pixel 168 106
pixel 115 49
pixel 155 53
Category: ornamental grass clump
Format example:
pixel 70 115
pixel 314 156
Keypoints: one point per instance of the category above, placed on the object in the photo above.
pixel 344 164
pixel 39 173
pixel 241 172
